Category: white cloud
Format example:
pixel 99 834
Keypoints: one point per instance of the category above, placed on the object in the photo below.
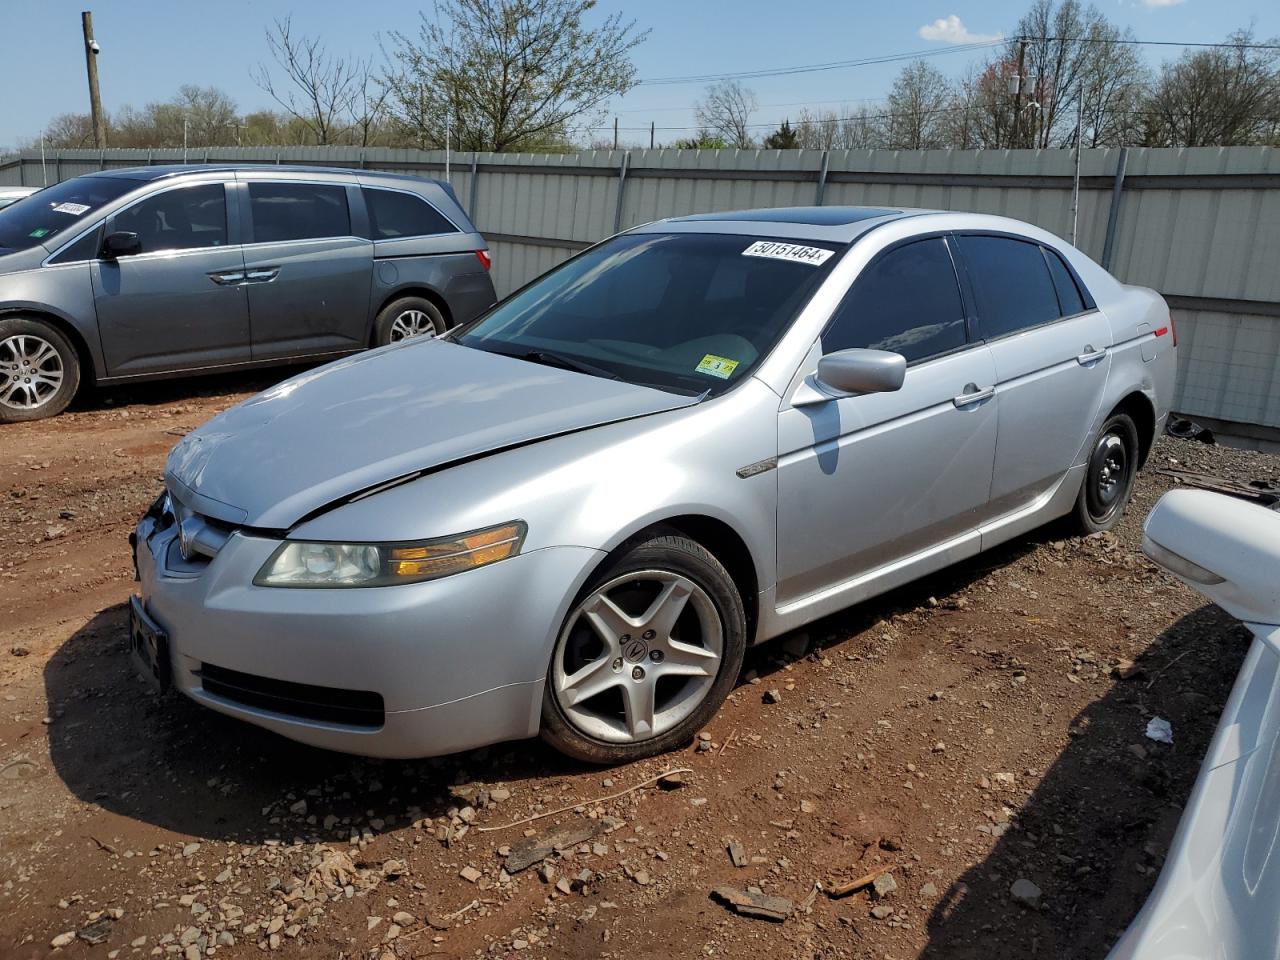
pixel 1157 4
pixel 952 30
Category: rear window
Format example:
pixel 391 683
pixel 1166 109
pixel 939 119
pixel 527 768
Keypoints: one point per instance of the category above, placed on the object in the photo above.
pixel 1011 284
pixel 393 214
pixel 58 210
pixel 298 211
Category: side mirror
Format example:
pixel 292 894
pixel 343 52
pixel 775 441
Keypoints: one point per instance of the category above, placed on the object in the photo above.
pixel 121 244
pixel 862 371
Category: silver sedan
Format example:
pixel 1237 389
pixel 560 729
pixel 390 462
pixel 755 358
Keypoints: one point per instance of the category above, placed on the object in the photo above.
pixel 574 514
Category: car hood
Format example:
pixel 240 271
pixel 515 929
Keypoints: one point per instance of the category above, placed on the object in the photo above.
pixel 361 422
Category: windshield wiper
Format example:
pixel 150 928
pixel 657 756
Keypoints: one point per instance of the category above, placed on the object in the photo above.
pixel 550 359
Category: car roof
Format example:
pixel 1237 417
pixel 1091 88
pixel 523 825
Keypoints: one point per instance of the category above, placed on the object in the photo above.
pixel 826 224
pixel 165 170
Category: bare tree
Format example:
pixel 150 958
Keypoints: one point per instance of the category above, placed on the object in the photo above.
pixel 1218 97
pixel 846 128
pixel 917 108
pixel 368 103
pixel 72 130
pixel 318 87
pixel 508 74
pixel 726 109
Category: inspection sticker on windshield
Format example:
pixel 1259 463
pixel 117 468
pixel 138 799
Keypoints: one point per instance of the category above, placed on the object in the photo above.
pixel 75 209
pixel 814 256
pixel 714 366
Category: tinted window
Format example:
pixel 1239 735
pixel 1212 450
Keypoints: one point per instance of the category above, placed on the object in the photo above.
pixel 86 248
pixel 298 211
pixel 682 311
pixel 1069 300
pixel 58 209
pixel 1011 284
pixel 908 301
pixel 183 219
pixel 393 214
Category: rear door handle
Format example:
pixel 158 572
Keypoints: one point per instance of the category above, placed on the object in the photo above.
pixel 227 278
pixel 262 274
pixel 973 395
pixel 1090 355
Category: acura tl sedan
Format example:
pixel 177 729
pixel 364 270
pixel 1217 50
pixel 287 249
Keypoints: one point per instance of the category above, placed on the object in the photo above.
pixel 174 270
pixel 573 514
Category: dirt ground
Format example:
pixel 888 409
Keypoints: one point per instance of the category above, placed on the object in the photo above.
pixel 980 727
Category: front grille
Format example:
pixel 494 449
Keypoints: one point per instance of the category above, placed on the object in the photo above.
pixel 352 708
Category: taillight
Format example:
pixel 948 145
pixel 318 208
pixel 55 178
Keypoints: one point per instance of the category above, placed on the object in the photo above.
pixel 483 257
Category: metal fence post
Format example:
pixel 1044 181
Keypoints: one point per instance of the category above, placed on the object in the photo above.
pixel 1113 215
pixel 102 159
pixel 822 178
pixel 57 166
pixel 22 171
pixel 471 204
pixel 622 185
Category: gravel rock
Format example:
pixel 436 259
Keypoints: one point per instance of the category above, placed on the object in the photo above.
pixel 1025 892
pixel 882 911
pixel 882 886
pixel 772 695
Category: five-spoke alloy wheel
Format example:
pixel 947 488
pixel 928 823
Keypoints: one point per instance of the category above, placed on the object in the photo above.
pixel 39 370
pixel 646 655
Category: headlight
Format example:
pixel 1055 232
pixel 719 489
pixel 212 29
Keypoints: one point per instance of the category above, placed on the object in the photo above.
pixel 301 564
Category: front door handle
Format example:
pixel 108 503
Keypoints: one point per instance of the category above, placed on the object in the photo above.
pixel 262 274
pixel 973 395
pixel 1090 355
pixel 227 278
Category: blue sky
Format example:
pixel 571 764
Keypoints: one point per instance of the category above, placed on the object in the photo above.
pixel 150 47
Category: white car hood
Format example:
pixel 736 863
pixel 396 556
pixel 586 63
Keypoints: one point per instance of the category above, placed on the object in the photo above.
pixel 351 425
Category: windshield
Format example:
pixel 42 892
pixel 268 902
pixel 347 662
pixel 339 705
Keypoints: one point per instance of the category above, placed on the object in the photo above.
pixel 61 207
pixel 677 311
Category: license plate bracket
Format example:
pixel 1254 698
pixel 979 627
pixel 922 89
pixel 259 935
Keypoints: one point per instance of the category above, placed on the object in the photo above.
pixel 148 647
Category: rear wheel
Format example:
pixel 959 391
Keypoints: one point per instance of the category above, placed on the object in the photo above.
pixel 1108 481
pixel 39 370
pixel 407 318
pixel 647 654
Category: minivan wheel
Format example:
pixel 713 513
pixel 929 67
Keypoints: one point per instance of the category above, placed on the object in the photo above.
pixel 1108 480
pixel 39 370
pixel 649 651
pixel 407 318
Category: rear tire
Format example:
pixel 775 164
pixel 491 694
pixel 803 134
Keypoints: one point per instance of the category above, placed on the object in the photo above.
pixel 642 670
pixel 1109 477
pixel 408 318
pixel 39 370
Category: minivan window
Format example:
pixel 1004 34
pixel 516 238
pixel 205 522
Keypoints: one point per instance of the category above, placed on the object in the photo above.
pixel 57 210
pixel 298 211
pixel 907 301
pixel 1011 284
pixel 187 218
pixel 393 214
pixel 1069 300
pixel 710 306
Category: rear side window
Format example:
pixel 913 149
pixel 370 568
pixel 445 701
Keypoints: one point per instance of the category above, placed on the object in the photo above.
pixel 298 211
pixel 393 214
pixel 907 301
pixel 1069 299
pixel 1011 284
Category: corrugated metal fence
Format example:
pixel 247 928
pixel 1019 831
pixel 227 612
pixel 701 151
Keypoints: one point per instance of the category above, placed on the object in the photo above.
pixel 1202 226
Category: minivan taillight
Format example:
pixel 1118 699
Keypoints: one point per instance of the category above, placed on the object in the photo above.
pixel 483 257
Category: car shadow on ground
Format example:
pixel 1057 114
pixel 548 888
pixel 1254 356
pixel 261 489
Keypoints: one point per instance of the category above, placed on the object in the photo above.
pixel 152 393
pixel 1105 810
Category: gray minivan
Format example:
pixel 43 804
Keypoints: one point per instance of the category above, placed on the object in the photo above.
pixel 170 270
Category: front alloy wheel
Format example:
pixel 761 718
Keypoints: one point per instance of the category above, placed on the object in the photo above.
pixel 39 370
pixel 646 655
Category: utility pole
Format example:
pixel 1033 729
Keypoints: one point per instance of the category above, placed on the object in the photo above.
pixel 615 133
pixel 1017 95
pixel 91 65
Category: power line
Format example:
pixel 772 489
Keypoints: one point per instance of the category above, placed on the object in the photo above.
pixel 1154 43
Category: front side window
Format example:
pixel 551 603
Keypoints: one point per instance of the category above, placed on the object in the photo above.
pixel 680 311
pixel 907 301
pixel 298 211
pixel 393 215
pixel 1011 284
pixel 56 211
pixel 187 218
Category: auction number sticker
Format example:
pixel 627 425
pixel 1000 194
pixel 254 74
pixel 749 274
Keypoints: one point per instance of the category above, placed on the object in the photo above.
pixel 714 366
pixel 75 209
pixel 794 252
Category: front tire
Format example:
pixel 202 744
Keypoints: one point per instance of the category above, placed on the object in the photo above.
pixel 39 370
pixel 408 318
pixel 1109 476
pixel 649 651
